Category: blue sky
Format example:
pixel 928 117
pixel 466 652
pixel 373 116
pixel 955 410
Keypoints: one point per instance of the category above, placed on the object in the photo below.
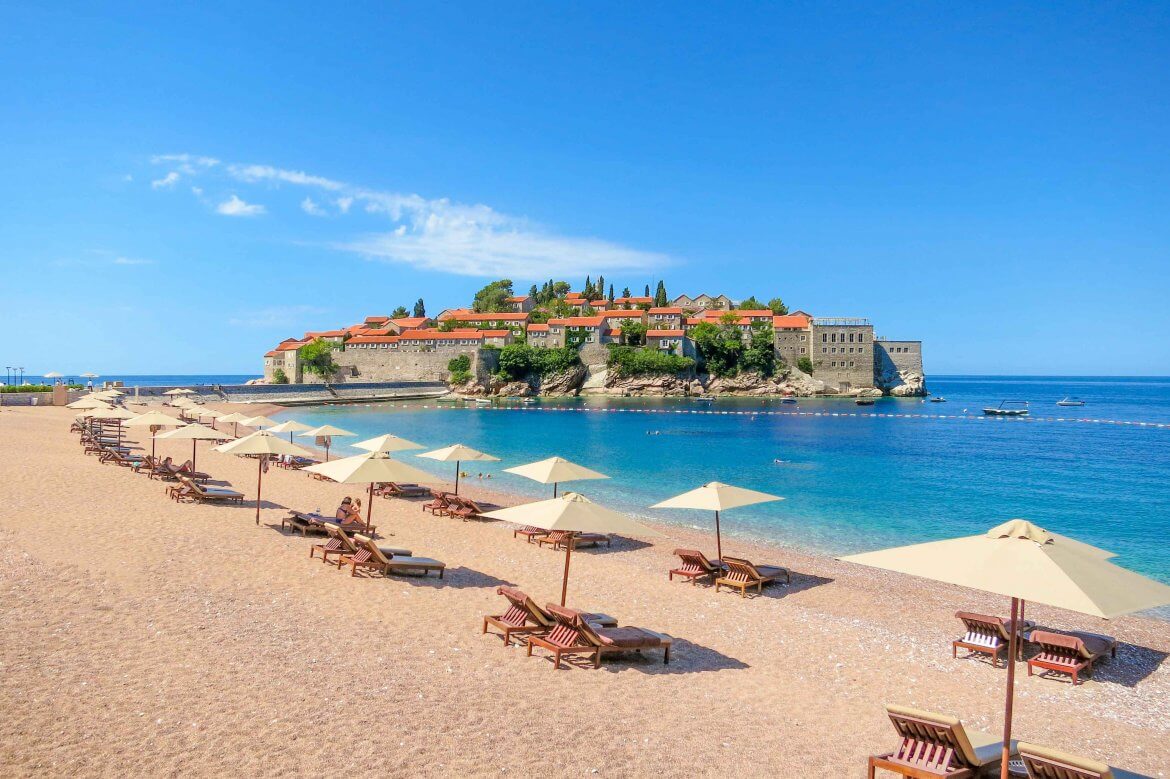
pixel 182 188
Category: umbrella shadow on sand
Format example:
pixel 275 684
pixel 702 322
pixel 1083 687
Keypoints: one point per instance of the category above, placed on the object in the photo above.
pixel 800 583
pixel 1132 666
pixel 458 577
pixel 686 657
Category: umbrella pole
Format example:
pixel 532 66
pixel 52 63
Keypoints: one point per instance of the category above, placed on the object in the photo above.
pixel 259 480
pixel 457 478
pixel 370 506
pixel 565 582
pixel 192 454
pixel 554 495
pixel 718 538
pixel 1011 682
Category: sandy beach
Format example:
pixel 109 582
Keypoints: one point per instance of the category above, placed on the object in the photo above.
pixel 143 636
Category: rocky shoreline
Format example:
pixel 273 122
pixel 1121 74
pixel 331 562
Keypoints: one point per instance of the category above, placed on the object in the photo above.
pixel 586 380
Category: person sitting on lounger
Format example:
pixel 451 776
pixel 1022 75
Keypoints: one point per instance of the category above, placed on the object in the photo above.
pixel 349 512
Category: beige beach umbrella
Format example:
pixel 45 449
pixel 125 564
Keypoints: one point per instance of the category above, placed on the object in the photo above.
pixel 716 496
pixel 89 401
pixel 212 414
pixel 290 426
pixel 371 467
pixel 182 402
pixel 1026 563
pixel 54 375
pixel 260 443
pixel 89 375
pixel 574 513
pixel 194 432
pixel 457 453
pixel 179 391
pixel 234 418
pixel 555 470
pixel 327 432
pixel 259 422
pixel 110 412
pixel 154 420
pixel 387 443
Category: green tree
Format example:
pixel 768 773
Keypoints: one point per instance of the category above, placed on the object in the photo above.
pixel 805 365
pixel 460 369
pixel 611 295
pixel 719 346
pixel 777 306
pixel 634 333
pixel 660 298
pixel 760 354
pixel 399 313
pixel 751 304
pixel 534 293
pixel 560 289
pixel 625 292
pixel 317 358
pixel 634 361
pixel 420 308
pixel 493 297
pixel 279 376
pixel 646 294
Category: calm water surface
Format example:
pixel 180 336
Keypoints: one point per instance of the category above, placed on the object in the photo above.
pixel 854 478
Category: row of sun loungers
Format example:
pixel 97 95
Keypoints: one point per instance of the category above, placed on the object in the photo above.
pixel 307 522
pixel 734 572
pixel 452 505
pixel 363 552
pixel 563 631
pixel 1068 652
pixel 937 745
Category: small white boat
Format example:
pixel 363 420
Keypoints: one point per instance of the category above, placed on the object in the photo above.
pixel 938 399
pixel 1008 408
pixel 1070 402
pixel 482 402
pixel 864 401
pixel 788 399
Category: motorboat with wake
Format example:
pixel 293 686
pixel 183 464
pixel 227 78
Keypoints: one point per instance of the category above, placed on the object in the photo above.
pixel 1008 408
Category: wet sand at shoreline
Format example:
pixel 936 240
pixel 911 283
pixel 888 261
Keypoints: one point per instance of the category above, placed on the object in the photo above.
pixel 139 635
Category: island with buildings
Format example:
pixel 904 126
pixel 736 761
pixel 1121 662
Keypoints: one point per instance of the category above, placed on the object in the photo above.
pixel 554 341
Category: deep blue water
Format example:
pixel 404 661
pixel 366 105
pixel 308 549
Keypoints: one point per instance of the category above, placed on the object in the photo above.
pixel 854 478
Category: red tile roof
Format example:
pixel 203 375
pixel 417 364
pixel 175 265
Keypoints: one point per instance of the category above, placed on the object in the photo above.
pixel 665 333
pixel 536 328
pixel 372 339
pixel 273 353
pixel 516 299
pixel 623 314
pixel 410 322
pixel 497 316
pixel 602 302
pixel 289 346
pixel 373 320
pixel 798 321
pixel 666 310
pixel 633 300
pixel 573 296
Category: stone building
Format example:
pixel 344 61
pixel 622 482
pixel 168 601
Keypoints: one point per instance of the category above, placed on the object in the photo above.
pixel 674 341
pixel 702 302
pixel 665 318
pixel 842 351
pixel 791 333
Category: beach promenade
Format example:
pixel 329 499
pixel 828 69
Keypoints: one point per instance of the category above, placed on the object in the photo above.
pixel 147 637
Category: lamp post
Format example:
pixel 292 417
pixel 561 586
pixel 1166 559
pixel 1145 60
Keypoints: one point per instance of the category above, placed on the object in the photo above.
pixel 22 375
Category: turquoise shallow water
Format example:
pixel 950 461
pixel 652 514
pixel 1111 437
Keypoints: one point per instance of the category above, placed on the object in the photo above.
pixel 854 478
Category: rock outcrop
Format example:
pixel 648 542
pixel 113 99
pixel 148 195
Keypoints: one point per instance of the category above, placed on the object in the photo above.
pixel 902 384
pixel 567 382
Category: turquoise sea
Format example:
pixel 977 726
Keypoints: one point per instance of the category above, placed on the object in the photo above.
pixel 854 478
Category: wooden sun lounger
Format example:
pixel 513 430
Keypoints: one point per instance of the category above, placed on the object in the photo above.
pixel 307 522
pixel 525 617
pixel 988 635
pixel 440 503
pixel 558 539
pixel 385 561
pixel 393 490
pixel 742 574
pixel 937 745
pixel 466 508
pixel 695 566
pixel 1046 763
pixel 574 635
pixel 529 532
pixel 202 494
pixel 339 543
pixel 188 469
pixel 119 456
pixel 1072 653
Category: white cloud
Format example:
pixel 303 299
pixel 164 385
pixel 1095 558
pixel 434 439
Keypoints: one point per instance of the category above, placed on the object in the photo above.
pixel 254 173
pixel 276 316
pixel 311 208
pixel 233 206
pixel 435 234
pixel 197 191
pixel 166 182
pixel 132 261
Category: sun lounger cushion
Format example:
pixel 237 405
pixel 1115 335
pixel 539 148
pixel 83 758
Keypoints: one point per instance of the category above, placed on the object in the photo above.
pixel 977 748
pixel 629 638
pixel 1076 761
pixel 1089 645
pixel 406 561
